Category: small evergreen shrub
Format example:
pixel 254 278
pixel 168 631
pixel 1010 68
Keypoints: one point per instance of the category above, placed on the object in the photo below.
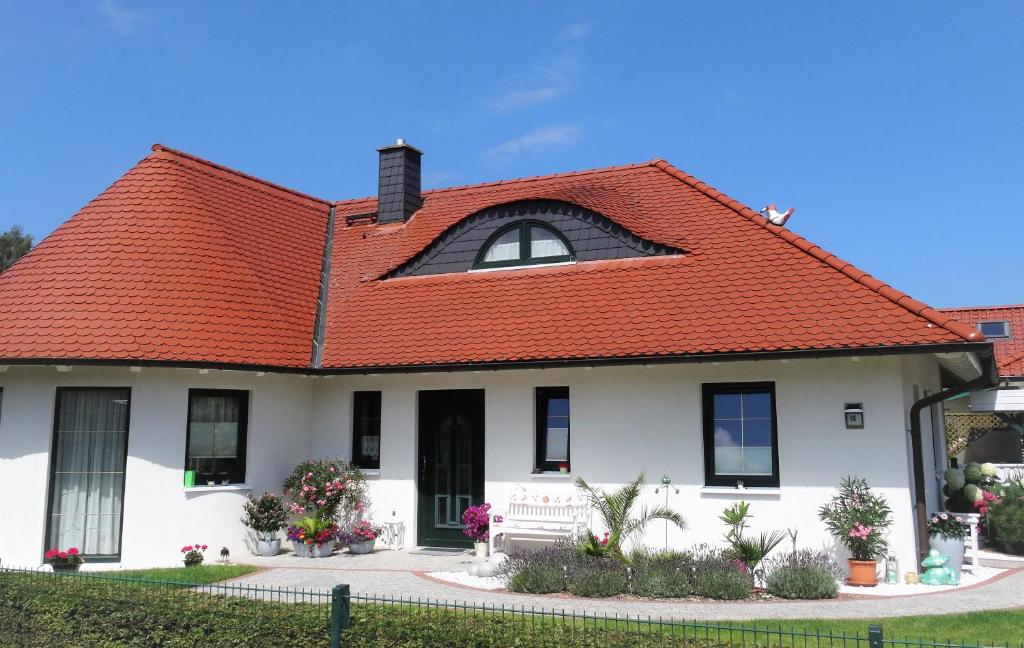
pixel 537 579
pixel 803 574
pixel 717 576
pixel 663 574
pixel 1006 522
pixel 539 571
pixel 598 578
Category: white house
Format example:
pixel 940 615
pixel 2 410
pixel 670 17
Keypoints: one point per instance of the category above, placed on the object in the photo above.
pixel 453 343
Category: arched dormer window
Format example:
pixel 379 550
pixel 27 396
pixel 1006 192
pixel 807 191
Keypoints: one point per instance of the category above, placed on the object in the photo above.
pixel 527 242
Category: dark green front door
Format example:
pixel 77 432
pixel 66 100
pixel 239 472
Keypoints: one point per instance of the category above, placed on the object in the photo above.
pixel 451 464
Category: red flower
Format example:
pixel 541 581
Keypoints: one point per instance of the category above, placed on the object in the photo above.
pixel 63 555
pixel 204 547
pixel 72 551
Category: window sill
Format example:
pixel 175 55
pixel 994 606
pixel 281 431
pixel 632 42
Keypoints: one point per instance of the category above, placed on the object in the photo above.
pixel 749 491
pixel 370 472
pixel 551 475
pixel 218 488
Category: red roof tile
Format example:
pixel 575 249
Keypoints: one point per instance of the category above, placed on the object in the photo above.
pixel 178 261
pixel 182 260
pixel 1009 351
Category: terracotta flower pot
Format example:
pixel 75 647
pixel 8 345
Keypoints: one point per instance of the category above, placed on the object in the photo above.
pixel 862 573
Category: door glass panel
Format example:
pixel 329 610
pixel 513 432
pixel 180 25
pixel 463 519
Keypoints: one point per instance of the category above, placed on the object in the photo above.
pixel 88 471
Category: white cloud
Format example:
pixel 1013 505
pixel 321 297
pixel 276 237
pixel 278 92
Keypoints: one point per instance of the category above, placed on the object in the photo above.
pixel 545 83
pixel 547 137
pixel 121 19
pixel 576 31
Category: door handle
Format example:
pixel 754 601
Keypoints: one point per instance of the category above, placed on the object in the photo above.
pixel 423 467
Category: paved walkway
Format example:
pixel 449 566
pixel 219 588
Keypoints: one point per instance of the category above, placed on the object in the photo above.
pixel 404 574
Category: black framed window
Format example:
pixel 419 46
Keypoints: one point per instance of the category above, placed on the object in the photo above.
pixel 87 468
pixel 552 428
pixel 366 429
pixel 218 422
pixel 527 242
pixel 740 434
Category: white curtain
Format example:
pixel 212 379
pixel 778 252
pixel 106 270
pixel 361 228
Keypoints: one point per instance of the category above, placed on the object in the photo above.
pixel 505 248
pixel 88 480
pixel 545 244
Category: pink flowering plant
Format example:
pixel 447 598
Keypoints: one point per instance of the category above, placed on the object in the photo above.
pixel 325 488
pixel 858 518
pixel 947 525
pixel 362 531
pixel 69 558
pixel 193 554
pixel 478 524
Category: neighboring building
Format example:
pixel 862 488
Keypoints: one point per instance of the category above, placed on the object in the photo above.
pixel 982 434
pixel 453 343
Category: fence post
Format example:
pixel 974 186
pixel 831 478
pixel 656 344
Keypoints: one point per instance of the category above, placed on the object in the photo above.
pixel 340 613
pixel 875 636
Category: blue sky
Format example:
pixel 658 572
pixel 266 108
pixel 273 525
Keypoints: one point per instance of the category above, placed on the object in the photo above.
pixel 895 130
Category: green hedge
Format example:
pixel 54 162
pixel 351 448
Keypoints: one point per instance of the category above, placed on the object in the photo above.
pixel 64 611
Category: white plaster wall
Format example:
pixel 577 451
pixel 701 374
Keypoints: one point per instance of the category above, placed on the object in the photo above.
pixel 627 420
pixel 159 516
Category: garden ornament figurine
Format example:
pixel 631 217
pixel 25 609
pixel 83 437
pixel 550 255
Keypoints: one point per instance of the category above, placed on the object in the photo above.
pixel 936 572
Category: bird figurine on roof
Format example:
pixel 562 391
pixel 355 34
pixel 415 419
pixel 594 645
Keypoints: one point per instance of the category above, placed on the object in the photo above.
pixel 774 216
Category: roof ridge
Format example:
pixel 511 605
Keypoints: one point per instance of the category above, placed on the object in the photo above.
pixel 898 297
pixel 158 147
pixel 496 183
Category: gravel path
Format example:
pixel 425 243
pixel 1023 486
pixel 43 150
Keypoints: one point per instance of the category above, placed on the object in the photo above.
pixel 404 574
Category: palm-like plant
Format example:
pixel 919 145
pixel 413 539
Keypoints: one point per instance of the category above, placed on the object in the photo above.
pixel 749 551
pixel 616 510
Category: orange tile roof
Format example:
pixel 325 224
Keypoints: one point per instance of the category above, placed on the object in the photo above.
pixel 1009 352
pixel 185 261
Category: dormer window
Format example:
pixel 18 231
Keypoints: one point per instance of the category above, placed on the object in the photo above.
pixel 995 330
pixel 524 243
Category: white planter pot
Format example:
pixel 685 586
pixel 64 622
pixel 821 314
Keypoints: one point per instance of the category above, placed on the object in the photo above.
pixel 300 549
pixel 322 550
pixel 481 549
pixel 952 547
pixel 361 548
pixel 268 547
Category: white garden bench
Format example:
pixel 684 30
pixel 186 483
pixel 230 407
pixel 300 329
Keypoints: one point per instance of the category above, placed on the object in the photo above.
pixel 540 513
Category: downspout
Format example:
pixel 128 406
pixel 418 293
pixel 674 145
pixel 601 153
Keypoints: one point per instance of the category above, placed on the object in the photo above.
pixel 920 489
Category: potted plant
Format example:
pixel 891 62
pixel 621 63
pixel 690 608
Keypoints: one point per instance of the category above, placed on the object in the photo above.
pixel 193 555
pixel 564 468
pixel 858 518
pixel 69 560
pixel 265 515
pixel 313 537
pixel 330 489
pixel 478 527
pixel 946 534
pixel 361 538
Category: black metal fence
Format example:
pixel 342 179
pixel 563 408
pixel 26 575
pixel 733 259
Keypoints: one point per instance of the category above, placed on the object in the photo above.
pixel 96 608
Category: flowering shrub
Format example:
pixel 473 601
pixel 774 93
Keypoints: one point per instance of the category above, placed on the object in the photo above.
pixel 194 554
pixel 312 530
pixel 69 558
pixel 478 525
pixel 947 526
pixel 326 488
pixel 987 499
pixel 363 530
pixel 858 518
pixel 595 546
pixel 265 514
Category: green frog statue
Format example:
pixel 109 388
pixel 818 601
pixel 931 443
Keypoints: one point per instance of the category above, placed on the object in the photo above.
pixel 936 572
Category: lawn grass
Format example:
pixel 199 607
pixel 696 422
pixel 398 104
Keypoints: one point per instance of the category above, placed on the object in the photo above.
pixel 198 575
pixel 999 628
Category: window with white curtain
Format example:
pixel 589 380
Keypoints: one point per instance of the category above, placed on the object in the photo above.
pixel 216 435
pixel 524 243
pixel 87 470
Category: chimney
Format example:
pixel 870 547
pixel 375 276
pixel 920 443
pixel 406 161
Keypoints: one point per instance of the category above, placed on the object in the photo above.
pixel 398 186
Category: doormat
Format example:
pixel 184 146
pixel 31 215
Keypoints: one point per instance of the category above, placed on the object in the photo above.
pixel 439 551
